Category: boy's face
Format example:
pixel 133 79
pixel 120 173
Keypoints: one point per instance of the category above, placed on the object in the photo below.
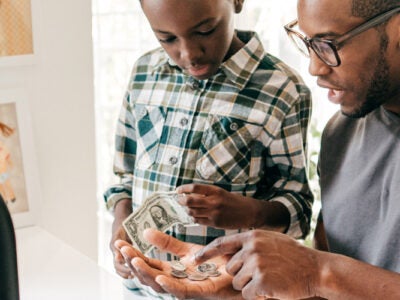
pixel 198 35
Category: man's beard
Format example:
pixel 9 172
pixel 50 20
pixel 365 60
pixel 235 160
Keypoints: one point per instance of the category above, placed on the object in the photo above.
pixel 379 90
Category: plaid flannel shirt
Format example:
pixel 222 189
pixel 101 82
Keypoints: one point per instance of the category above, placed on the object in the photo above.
pixel 243 129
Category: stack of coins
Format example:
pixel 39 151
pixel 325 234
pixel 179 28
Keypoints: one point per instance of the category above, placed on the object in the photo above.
pixel 202 272
pixel 208 269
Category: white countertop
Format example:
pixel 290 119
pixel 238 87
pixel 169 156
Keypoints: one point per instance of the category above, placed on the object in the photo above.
pixel 49 269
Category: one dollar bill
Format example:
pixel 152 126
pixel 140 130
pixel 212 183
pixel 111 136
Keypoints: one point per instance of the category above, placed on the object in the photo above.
pixel 160 211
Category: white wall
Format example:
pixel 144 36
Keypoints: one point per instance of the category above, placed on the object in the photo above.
pixel 59 85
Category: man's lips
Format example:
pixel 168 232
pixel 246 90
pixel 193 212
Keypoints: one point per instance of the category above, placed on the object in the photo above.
pixel 335 94
pixel 327 85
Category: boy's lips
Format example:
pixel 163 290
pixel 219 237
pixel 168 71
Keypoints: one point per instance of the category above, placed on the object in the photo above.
pixel 198 71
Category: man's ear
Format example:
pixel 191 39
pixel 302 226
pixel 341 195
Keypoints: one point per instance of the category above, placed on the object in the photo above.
pixel 396 29
pixel 238 6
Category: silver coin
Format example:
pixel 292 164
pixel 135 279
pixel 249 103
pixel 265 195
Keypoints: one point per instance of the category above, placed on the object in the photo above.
pixel 179 274
pixel 177 265
pixel 206 267
pixel 214 273
pixel 197 276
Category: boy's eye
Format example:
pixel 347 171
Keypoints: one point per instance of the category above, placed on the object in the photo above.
pixel 208 32
pixel 167 40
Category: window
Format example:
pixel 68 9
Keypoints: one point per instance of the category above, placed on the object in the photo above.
pixel 121 34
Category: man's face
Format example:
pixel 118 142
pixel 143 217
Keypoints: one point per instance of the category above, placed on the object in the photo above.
pixel 198 35
pixel 369 72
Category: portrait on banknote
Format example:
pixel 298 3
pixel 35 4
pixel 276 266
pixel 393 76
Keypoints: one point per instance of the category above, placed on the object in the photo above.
pixel 160 211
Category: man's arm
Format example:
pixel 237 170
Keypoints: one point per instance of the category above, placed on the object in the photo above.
pixel 276 266
pixel 346 278
pixel 320 242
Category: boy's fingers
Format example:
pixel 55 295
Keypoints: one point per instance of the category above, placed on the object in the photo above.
pixel 130 252
pixel 165 242
pixel 175 287
pixel 202 189
pixel 120 243
pixel 147 273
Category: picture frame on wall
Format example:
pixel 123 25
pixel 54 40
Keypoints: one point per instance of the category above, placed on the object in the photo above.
pixel 19 185
pixel 16 32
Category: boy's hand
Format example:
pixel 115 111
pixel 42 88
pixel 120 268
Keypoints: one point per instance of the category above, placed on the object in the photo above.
pixel 120 266
pixel 156 273
pixel 122 209
pixel 213 206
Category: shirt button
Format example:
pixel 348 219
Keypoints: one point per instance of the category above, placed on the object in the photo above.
pixel 143 112
pixel 173 160
pixel 193 83
pixel 184 121
pixel 234 126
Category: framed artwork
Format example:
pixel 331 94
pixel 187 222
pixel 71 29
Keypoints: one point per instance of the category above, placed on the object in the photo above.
pixel 16 32
pixel 18 172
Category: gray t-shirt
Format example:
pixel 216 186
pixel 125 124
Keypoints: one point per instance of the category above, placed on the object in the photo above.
pixel 360 184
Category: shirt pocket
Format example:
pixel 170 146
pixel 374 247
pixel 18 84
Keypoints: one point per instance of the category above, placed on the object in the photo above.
pixel 226 149
pixel 150 122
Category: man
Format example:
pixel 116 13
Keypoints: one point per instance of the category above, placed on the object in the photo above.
pixel 354 49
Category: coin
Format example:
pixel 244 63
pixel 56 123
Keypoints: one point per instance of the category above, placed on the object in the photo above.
pixel 214 273
pixel 177 265
pixel 197 276
pixel 179 274
pixel 206 267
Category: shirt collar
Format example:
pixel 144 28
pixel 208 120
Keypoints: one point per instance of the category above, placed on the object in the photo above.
pixel 238 68
pixel 241 66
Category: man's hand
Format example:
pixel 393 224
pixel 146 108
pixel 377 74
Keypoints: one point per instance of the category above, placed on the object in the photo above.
pixel 156 273
pixel 268 264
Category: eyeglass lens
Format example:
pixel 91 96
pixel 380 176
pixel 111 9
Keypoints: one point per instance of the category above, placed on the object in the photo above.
pixel 321 48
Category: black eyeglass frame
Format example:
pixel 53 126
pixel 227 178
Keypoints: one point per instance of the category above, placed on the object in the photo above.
pixel 335 44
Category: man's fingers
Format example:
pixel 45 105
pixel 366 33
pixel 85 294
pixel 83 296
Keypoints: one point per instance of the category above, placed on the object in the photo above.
pixel 251 291
pixel 165 242
pixel 226 245
pixel 241 279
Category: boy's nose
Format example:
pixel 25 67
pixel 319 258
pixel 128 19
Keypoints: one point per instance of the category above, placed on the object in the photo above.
pixel 190 52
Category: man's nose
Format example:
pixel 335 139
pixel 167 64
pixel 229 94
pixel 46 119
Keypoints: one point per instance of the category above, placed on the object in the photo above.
pixel 316 66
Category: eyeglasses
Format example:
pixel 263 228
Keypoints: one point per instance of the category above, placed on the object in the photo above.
pixel 327 49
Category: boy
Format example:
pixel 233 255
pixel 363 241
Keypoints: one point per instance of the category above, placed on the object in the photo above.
pixel 215 117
